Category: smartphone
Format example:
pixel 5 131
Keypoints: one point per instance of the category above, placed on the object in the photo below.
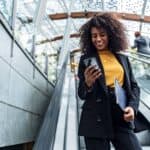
pixel 91 62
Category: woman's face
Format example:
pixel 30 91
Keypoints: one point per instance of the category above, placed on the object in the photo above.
pixel 99 38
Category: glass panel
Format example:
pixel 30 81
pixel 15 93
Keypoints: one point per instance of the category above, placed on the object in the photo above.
pixel 54 7
pixel 52 66
pixel 40 54
pixel 79 5
pixel 133 6
pixel 24 28
pixel 44 46
pixel 90 5
pixel 112 5
pixel 147 9
pixel 146 29
pixel 77 23
pixel 6 9
pixel 49 29
pixel 141 70
pixel 55 27
pixel 47 49
pixel 74 43
pixel 60 26
pixel 131 27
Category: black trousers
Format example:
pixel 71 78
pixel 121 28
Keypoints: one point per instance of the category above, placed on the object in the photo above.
pixel 124 139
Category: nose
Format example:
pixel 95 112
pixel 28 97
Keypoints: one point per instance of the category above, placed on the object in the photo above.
pixel 98 38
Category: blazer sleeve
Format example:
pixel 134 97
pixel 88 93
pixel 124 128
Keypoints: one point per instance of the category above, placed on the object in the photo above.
pixel 83 90
pixel 135 90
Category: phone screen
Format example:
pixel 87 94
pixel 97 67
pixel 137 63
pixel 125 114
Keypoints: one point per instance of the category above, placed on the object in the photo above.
pixel 91 61
pixel 94 63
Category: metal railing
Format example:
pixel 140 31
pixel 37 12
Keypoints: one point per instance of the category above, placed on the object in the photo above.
pixel 46 137
pixel 137 56
pixel 140 54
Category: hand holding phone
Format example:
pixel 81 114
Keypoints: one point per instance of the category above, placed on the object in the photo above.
pixel 91 62
pixel 91 74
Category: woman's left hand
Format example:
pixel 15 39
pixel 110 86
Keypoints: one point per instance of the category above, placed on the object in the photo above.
pixel 128 114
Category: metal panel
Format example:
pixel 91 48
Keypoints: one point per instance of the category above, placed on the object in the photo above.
pixel 17 126
pixel 4 80
pixel 22 98
pixel 22 94
pixel 22 63
pixel 40 82
pixel 5 44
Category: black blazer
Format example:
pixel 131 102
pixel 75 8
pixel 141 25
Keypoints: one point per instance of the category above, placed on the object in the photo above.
pixel 96 118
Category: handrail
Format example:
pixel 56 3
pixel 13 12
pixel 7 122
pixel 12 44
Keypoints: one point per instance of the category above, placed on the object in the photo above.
pixel 143 92
pixel 72 123
pixel 46 137
pixel 78 111
pixel 60 135
pixel 137 58
pixel 140 54
pixel 144 107
pixel 145 104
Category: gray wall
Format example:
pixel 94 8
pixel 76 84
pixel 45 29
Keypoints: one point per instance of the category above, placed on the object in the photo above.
pixel 23 99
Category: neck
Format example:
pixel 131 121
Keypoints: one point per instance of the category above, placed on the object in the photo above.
pixel 104 50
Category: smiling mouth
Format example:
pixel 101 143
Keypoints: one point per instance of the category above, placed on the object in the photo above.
pixel 99 45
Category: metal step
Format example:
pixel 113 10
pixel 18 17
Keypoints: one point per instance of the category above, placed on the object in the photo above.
pixel 143 148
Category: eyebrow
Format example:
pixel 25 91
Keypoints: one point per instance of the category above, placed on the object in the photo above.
pixel 99 32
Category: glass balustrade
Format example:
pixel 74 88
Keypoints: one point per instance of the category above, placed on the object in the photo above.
pixel 6 7
pixel 141 71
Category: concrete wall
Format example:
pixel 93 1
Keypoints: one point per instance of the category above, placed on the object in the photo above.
pixel 24 97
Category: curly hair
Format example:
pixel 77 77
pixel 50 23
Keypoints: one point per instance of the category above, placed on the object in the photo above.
pixel 113 27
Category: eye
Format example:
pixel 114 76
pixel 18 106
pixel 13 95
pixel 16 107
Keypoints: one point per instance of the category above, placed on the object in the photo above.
pixel 102 34
pixel 94 35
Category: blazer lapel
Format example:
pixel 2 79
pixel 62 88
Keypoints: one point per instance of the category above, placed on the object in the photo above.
pixel 122 61
pixel 101 79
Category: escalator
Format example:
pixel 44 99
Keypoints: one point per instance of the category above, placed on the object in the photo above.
pixel 61 119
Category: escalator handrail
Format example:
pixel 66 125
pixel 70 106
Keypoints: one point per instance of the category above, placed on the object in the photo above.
pixel 145 104
pixel 134 57
pixel 45 138
pixel 141 54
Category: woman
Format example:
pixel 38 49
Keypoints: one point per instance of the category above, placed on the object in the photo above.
pixel 102 121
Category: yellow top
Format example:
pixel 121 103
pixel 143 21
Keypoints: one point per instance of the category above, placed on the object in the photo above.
pixel 112 68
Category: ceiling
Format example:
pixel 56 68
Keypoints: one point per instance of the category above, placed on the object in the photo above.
pixel 51 24
pixel 46 20
pixel 41 25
